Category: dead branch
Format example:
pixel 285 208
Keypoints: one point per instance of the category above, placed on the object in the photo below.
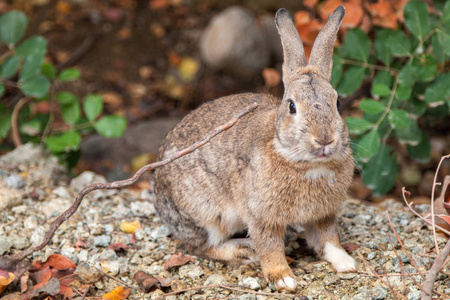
pixel 123 183
pixel 434 271
pixel 14 116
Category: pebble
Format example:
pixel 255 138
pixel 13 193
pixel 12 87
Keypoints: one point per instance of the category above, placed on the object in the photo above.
pixel 85 179
pixel 371 255
pixel 5 245
pixel 330 279
pixel 251 282
pixel 20 243
pixel 62 192
pixel 415 295
pixel 379 293
pixel 347 276
pixel 102 240
pixel 161 231
pixel 37 236
pixel 15 181
pixel 215 279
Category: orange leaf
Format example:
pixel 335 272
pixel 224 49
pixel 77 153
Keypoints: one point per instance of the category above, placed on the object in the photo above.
pixel 40 276
pixel 118 293
pixel 56 261
pixel 310 3
pixel 130 227
pixel 353 11
pixel 383 14
pixel 445 218
pixel 301 17
pixel 178 259
pixel 5 280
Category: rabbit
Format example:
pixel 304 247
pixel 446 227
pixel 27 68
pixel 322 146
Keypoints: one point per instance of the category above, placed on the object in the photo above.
pixel 286 165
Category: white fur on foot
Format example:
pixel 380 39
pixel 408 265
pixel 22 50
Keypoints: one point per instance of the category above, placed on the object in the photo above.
pixel 340 260
pixel 286 283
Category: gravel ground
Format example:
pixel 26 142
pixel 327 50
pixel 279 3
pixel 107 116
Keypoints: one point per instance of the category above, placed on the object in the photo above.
pixel 34 190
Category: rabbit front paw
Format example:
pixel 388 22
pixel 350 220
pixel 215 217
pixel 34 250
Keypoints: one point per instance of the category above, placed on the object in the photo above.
pixel 340 259
pixel 283 280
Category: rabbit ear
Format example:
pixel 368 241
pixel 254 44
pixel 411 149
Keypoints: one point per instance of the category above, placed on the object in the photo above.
pixel 293 52
pixel 322 51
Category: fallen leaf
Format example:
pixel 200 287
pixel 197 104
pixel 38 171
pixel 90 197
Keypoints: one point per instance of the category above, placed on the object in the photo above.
pixel 119 248
pixel 272 77
pixel 188 69
pixel 57 261
pixel 43 275
pixel 353 12
pixel 5 279
pixel 165 282
pixel 350 247
pixel 118 293
pixel 52 287
pixel 383 14
pixel 302 17
pixel 146 281
pixel 178 259
pixel 130 227
pixel 23 283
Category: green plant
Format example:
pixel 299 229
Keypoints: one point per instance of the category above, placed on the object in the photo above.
pixel 23 69
pixel 409 89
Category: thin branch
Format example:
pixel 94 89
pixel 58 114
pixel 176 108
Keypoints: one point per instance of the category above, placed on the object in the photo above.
pixel 369 66
pixel 80 51
pixel 434 271
pixel 123 183
pixel 14 117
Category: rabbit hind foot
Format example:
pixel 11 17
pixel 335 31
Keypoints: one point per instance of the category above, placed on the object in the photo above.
pixel 233 252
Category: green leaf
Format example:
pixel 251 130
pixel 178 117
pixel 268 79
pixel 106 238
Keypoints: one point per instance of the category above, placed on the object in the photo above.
pixel 35 45
pixel 403 92
pixel 65 142
pixel 438 92
pixel 357 125
pixel 66 98
pixel 69 74
pixel 381 171
pixel 368 145
pixel 370 106
pixel 31 66
pixel 446 14
pixel 381 46
pixel 5 125
pixel 92 106
pixel 336 71
pixel 71 112
pixel 416 18
pixel 36 86
pixel 357 44
pixel 351 81
pixel 111 126
pixel 398 44
pixel 399 119
pixel 2 90
pixel 421 152
pixel 424 67
pixel 415 107
pixel 411 135
pixel 12 26
pixel 49 70
pixel 406 75
pixel 32 127
pixel 380 90
pixel 440 43
pixel 10 66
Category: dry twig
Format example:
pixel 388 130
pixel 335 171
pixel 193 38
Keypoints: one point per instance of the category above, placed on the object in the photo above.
pixel 434 271
pixel 14 116
pixel 123 183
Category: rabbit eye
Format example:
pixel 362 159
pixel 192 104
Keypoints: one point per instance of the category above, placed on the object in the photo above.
pixel 292 109
pixel 338 103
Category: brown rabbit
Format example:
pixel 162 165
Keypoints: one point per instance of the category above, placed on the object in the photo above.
pixel 283 167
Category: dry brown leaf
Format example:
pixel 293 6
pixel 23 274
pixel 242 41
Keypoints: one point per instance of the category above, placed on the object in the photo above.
pixel 383 14
pixel 56 261
pixel 350 247
pixel 43 275
pixel 79 244
pixel 178 259
pixel 5 279
pixel 353 12
pixel 146 281
pixel 119 293
pixel 272 77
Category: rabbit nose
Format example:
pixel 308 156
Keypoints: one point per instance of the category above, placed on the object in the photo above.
pixel 324 142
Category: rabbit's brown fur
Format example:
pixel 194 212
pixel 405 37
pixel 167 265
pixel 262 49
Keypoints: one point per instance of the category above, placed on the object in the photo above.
pixel 276 170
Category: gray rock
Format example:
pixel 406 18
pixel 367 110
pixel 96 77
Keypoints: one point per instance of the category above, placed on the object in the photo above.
pixel 379 293
pixel 62 192
pixel 15 181
pixel 415 295
pixel 38 235
pixel 347 276
pixel 9 198
pixel 331 279
pixel 251 282
pixel 20 243
pixel 102 240
pixel 24 154
pixel 85 179
pixel 160 232
pixel 247 297
pixel 5 244
pixel 371 255
pixel 234 42
pixel 215 279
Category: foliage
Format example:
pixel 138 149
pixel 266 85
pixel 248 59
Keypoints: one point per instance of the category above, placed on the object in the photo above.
pixel 409 89
pixel 24 68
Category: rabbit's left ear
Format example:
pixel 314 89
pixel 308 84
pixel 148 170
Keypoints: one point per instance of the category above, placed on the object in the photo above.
pixel 322 51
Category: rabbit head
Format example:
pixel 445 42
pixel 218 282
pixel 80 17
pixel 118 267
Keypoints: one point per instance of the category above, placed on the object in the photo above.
pixel 307 123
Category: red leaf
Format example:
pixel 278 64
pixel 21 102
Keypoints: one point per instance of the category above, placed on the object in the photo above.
pixel 445 218
pixel 118 247
pixel 56 261
pixel 66 291
pixel 178 259
pixel 41 276
pixel 146 281
pixel 350 247
pixel 79 244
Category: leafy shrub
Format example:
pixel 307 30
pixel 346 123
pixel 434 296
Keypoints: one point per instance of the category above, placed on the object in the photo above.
pixel 24 67
pixel 409 89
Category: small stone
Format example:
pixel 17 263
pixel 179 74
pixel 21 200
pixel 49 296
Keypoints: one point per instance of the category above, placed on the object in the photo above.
pixel 215 279
pixel 87 274
pixel 83 255
pixel 62 192
pixel 5 245
pixel 251 283
pixel 109 228
pixel 102 240
pixel 415 295
pixel 331 279
pixel 20 243
pixel 114 267
pixel 142 208
pixel 85 179
pixel 247 297
pixel 197 272
pixel 347 276
pixel 20 209
pixel 108 255
pixel 37 235
pixel 371 255
pixel 140 234
pixel 161 231
pixel 379 293
pixel 15 181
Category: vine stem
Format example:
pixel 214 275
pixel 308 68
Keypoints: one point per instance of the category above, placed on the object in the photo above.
pixel 370 66
pixel 389 104
pixel 14 118
pixel 126 182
